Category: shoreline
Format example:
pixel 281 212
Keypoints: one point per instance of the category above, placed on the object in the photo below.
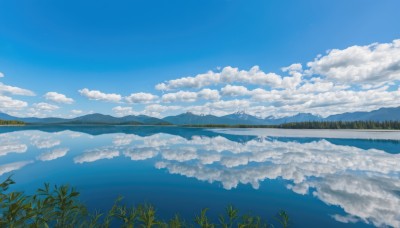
pixel 370 134
pixel 204 127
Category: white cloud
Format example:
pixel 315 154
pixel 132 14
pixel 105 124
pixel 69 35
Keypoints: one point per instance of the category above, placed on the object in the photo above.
pixel 15 90
pixel 7 103
pixel 42 106
pixel 208 94
pixel 181 96
pixel 161 108
pixel 155 110
pixel 97 95
pixel 374 63
pixel 186 96
pixel 230 90
pixel 123 111
pixel 295 67
pixel 200 80
pixel 1 75
pixel 229 74
pixel 141 98
pixel 58 97
pixel 220 108
pixel 76 112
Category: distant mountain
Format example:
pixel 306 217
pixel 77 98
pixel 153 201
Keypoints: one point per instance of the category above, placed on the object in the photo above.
pixel 241 118
pixel 4 116
pixel 188 118
pixel 301 117
pixel 382 114
pixel 95 118
pixel 146 120
pixel 237 118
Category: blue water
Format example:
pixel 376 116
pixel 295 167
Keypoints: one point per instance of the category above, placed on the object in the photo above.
pixel 320 182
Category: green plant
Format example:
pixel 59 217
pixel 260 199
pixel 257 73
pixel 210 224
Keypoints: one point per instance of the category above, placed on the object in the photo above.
pixel 59 206
pixel 283 218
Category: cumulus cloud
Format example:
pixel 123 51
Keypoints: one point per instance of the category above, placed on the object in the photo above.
pixel 374 63
pixel 230 90
pixel 1 75
pixel 187 96
pixel 76 111
pixel 221 107
pixel 228 74
pixel 58 97
pixel 155 110
pixel 181 96
pixel 42 106
pixel 100 96
pixel 123 111
pixel 141 98
pixel 161 108
pixel 15 90
pixel 8 103
pixel 208 94
pixel 294 68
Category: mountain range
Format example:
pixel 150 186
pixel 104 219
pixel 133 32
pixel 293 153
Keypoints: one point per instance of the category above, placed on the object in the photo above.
pixel 188 118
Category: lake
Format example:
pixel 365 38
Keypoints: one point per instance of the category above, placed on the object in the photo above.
pixel 322 178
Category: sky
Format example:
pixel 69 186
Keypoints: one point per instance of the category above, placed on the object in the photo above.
pixel 160 58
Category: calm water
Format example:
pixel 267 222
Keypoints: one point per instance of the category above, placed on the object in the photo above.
pixel 322 178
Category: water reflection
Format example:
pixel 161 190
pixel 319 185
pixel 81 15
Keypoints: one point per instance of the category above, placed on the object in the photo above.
pixel 96 154
pixel 365 183
pixel 53 154
pixel 10 143
pixel 6 168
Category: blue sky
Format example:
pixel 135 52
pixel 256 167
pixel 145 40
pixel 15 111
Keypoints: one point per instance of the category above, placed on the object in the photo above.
pixel 119 48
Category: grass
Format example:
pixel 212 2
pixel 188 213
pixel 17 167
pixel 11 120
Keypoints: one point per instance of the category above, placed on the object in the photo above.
pixel 59 206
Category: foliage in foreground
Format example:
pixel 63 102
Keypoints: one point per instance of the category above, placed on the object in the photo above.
pixel 59 206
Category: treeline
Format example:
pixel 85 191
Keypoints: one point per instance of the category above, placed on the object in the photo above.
pixel 228 126
pixel 11 122
pixel 382 125
pixel 59 207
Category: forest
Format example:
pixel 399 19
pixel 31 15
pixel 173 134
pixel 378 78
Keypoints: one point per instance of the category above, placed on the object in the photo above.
pixel 11 122
pixel 382 125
